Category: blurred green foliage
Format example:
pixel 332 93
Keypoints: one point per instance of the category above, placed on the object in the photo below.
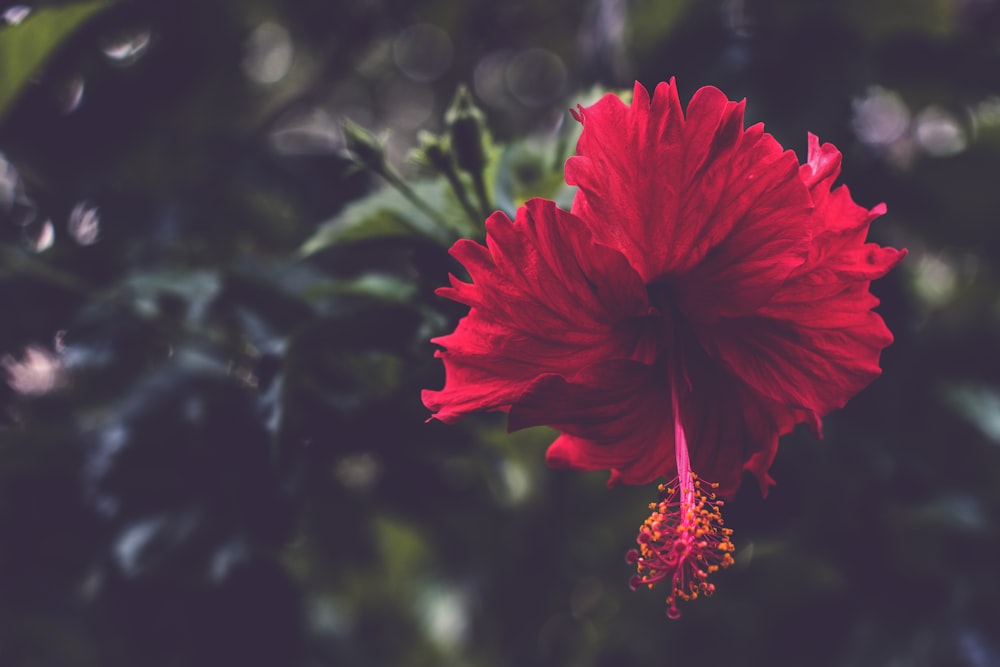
pixel 216 329
pixel 26 49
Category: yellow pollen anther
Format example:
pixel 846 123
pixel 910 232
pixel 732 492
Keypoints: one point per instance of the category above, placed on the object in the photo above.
pixel 682 542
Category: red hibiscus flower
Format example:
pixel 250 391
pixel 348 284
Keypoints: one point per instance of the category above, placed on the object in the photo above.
pixel 705 294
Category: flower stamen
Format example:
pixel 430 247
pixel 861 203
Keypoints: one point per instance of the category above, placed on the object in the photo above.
pixel 682 542
pixel 684 539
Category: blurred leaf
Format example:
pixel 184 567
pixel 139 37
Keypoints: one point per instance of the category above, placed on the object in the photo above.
pixel 147 543
pixel 387 214
pixel 651 21
pixel 954 513
pixel 978 404
pixel 936 18
pixel 379 286
pixel 534 168
pixel 194 291
pixel 404 549
pixel 339 369
pixel 375 374
pixel 791 572
pixel 515 469
pixel 25 47
pixel 525 172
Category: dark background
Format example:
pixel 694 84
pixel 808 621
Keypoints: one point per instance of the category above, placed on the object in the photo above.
pixel 213 450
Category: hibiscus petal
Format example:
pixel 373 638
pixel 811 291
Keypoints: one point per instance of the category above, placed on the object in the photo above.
pixel 671 193
pixel 815 367
pixel 821 168
pixel 729 426
pixel 816 342
pixel 613 415
pixel 570 451
pixel 616 416
pixel 545 298
pixel 606 401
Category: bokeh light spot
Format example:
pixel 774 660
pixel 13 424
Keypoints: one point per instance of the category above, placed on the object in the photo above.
pixel 68 94
pixel 422 52
pixel 939 133
pixel 536 77
pixel 84 224
pixel 269 53
pixel 444 611
pixel 8 184
pixel 306 132
pixel 490 80
pixel 405 105
pixel 38 235
pixel 881 117
pixel 15 15
pixel 35 372
pixel 126 47
pixel 358 471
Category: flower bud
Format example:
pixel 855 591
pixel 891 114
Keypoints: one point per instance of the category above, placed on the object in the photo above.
pixel 432 152
pixel 366 149
pixel 465 128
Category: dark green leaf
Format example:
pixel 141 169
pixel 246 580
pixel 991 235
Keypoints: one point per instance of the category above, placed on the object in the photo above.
pixel 25 47
pixel 380 286
pixel 387 214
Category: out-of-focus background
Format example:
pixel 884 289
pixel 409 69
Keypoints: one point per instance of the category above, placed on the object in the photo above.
pixel 215 331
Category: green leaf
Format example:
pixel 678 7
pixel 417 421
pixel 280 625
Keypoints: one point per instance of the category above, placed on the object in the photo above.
pixel 526 172
pixel 534 168
pixel 651 21
pixel 979 404
pixel 404 550
pixel 387 214
pixel 25 47
pixel 379 286
pixel 889 18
